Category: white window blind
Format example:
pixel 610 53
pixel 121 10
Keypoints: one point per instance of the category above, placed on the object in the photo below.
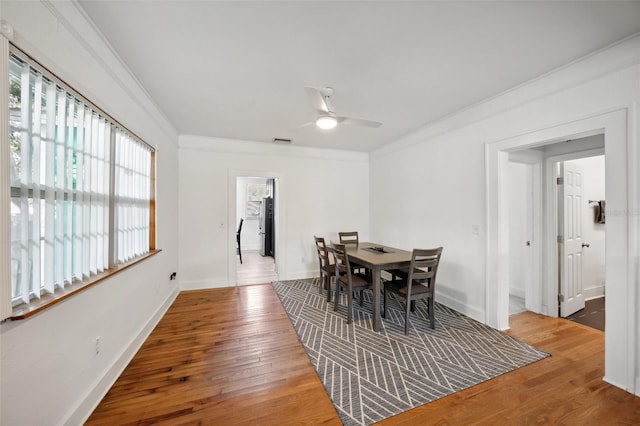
pixel 132 192
pixel 70 218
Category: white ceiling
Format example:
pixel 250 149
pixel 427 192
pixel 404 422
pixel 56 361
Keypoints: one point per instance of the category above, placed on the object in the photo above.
pixel 238 69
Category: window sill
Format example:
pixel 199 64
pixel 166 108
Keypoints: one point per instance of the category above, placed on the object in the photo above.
pixel 24 311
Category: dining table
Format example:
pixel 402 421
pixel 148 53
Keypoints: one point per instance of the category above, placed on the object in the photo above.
pixel 378 258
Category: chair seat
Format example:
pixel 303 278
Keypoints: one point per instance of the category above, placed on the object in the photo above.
pixel 402 272
pixel 329 269
pixel 400 286
pixel 359 281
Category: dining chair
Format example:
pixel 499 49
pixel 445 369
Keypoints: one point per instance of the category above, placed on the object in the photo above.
pixel 351 239
pixel 346 280
pixel 238 238
pixel 419 283
pixel 327 270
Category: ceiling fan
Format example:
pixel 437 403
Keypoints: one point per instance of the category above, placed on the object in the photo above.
pixel 327 118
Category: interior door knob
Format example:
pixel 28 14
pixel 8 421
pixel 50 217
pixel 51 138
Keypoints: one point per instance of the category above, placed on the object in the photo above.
pixel 585 245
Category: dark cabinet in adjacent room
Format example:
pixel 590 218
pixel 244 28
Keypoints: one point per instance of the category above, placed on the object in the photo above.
pixel 267 226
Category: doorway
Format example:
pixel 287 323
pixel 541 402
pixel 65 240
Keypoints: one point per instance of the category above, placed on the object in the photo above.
pixel 536 222
pixel 621 334
pixel 256 216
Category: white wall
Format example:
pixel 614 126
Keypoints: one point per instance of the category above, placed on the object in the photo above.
pixel 320 192
pixel 593 272
pixel 435 193
pixel 50 373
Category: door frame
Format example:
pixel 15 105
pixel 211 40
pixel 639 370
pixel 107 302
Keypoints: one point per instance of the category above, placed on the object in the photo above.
pixel 622 162
pixel 279 217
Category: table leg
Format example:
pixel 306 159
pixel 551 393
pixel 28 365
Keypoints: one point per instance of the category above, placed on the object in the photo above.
pixel 376 298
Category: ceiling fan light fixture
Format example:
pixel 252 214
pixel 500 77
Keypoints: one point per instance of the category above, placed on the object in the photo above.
pixel 326 122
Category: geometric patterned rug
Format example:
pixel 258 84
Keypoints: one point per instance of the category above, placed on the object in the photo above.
pixel 371 376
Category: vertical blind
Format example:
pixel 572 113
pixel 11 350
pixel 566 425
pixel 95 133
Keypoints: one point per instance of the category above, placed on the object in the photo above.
pixel 132 193
pixel 80 186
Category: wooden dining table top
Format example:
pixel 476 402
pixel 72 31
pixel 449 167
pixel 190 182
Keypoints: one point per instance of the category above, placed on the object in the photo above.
pixel 375 254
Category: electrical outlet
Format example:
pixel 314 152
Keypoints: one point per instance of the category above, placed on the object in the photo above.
pixel 98 345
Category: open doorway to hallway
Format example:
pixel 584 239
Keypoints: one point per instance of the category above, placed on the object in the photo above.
pixel 621 335
pixel 256 236
pixel 537 213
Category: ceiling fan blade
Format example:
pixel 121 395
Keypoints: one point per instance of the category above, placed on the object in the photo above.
pixel 317 100
pixel 358 122
pixel 310 123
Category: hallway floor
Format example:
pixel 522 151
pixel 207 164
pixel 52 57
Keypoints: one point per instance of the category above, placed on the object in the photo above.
pixel 592 315
pixel 255 269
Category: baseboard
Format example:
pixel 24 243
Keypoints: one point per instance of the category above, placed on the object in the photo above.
pixel 88 404
pixel 203 284
pixel 593 292
pixel 463 308
pixel 518 292
pixel 300 275
pixel 616 384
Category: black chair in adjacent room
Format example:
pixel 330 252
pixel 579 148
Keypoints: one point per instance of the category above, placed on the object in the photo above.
pixel 238 239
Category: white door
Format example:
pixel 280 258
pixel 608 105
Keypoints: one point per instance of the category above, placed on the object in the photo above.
pixel 570 203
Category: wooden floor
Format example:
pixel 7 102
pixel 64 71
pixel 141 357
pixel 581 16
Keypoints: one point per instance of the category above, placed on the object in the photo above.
pixel 255 269
pixel 230 356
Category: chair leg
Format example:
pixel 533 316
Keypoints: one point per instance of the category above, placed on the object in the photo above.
pixel 384 302
pixel 361 298
pixel 406 318
pixel 337 296
pixel 349 306
pixel 432 313
pixel 328 288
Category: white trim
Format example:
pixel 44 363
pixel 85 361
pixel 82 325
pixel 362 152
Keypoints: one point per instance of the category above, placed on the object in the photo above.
pixel 218 282
pixel 618 56
pixel 93 396
pixel 5 186
pixel 517 292
pixel 621 336
pixel 455 304
pixel 236 146
pixel 633 248
pixel 594 293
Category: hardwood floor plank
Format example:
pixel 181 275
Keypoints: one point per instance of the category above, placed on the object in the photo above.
pixel 231 356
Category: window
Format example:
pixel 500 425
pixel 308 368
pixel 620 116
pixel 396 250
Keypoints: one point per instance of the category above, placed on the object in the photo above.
pixel 81 187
